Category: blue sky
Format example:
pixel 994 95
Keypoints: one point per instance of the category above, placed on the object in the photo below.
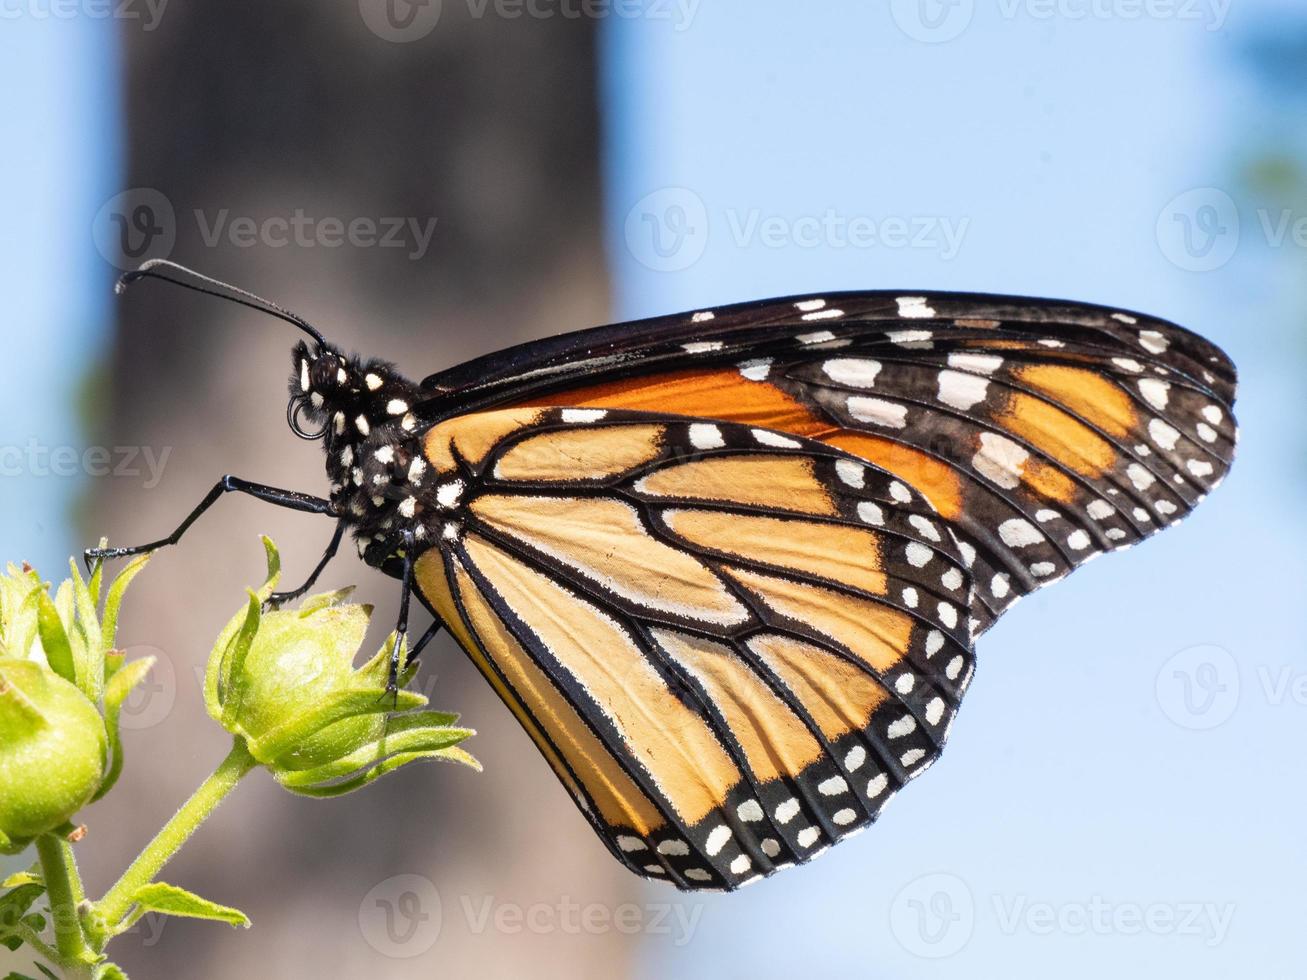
pixel 59 102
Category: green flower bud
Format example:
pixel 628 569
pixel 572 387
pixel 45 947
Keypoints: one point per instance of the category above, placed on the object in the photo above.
pixel 285 682
pixel 54 751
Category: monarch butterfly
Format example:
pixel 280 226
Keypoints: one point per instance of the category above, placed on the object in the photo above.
pixel 727 569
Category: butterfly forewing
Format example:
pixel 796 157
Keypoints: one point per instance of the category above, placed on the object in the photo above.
pixel 1044 433
pixel 732 644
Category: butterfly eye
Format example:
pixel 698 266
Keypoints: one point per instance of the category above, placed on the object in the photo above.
pixel 294 409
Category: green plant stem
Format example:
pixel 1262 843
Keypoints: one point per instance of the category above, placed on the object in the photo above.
pixel 111 910
pixel 25 932
pixel 74 953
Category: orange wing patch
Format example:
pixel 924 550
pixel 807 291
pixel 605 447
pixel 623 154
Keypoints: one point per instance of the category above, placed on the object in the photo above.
pixel 472 436
pixel 785 483
pixel 836 552
pixel 561 734
pixel 580 454
pixel 605 542
pixel 670 742
pixel 774 739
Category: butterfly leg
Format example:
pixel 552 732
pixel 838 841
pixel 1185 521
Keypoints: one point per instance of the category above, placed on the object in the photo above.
pixel 280 598
pixel 421 644
pixel 228 484
pixel 401 627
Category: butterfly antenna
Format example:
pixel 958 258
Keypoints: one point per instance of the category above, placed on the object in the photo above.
pixel 214 287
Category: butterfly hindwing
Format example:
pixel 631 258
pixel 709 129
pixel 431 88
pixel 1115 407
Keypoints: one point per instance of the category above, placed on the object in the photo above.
pixel 1044 433
pixel 733 645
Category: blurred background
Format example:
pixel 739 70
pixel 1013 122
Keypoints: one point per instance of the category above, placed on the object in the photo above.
pixel 431 180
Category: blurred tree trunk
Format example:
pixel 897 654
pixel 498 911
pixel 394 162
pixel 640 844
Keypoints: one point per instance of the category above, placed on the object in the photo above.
pixel 257 111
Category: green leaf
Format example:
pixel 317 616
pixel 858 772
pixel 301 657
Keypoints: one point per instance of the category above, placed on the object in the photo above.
pixel 109 971
pixel 11 975
pixel 117 589
pixel 54 640
pixel 50 974
pixel 14 905
pixel 171 900
pixel 21 878
pixel 115 694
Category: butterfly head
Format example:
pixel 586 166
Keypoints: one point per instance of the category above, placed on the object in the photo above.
pixel 364 413
pixel 343 398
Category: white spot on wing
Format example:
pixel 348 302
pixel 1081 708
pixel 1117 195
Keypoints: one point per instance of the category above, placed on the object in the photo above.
pixel 706 436
pixel 877 411
pixel 769 438
pixel 1000 460
pixel 914 308
pixel 702 346
pixel 1156 393
pixel 1019 533
pixel 962 391
pixel 582 415
pixel 1153 341
pixel 831 314
pixel 856 372
pixel 976 363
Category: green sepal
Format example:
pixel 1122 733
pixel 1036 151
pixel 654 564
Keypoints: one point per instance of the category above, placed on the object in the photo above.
pixel 324 600
pixel 109 971
pixel 88 648
pixel 116 692
pixel 54 639
pixel 418 735
pixel 217 670
pixel 332 708
pixel 113 604
pixel 171 900
pixel 234 683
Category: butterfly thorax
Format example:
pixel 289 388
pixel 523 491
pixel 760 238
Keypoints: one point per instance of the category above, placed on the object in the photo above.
pixel 380 479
